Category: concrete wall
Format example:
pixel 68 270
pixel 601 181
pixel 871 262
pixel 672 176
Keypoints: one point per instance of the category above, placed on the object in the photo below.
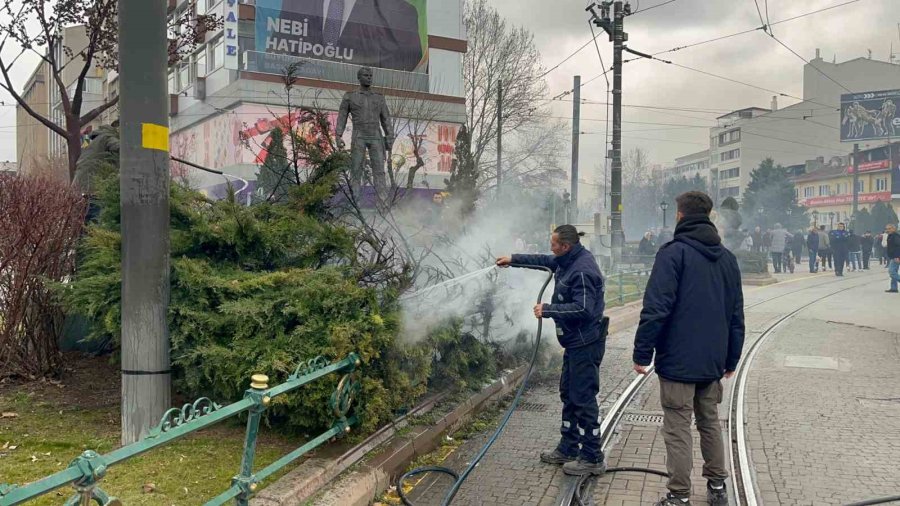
pixel 32 137
pixel 858 75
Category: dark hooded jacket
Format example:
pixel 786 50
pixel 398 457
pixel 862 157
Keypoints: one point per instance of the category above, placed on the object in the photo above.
pixel 577 306
pixel 693 315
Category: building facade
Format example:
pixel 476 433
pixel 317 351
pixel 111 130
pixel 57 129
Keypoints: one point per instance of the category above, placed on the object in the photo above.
pixel 228 95
pixel 827 192
pixel 791 135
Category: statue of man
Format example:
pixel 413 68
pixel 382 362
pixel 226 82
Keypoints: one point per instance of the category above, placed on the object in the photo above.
pixel 370 115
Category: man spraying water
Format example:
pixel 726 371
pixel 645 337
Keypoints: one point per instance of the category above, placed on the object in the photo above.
pixel 577 311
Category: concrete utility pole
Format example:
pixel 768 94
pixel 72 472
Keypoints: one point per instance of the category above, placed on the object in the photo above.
pixel 499 135
pixel 855 184
pixel 144 186
pixel 615 28
pixel 615 193
pixel 576 135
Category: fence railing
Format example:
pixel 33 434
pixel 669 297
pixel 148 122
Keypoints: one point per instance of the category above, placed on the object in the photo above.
pixel 626 286
pixel 88 469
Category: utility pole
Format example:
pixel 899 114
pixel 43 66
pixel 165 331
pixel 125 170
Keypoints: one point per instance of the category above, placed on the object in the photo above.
pixel 576 135
pixel 855 184
pixel 615 28
pixel 144 186
pixel 499 135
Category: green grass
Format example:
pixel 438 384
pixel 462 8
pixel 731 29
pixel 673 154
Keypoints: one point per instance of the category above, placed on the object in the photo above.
pixel 47 436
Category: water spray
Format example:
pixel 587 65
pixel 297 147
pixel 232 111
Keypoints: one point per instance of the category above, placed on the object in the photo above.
pixel 459 479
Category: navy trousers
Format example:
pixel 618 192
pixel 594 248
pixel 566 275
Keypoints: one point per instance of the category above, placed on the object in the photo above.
pixel 579 385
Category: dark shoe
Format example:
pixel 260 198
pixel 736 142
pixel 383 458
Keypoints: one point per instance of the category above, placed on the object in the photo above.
pixel 582 467
pixel 890 291
pixel 671 500
pixel 555 457
pixel 716 496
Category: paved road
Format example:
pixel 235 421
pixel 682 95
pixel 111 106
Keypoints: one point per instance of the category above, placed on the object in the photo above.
pixel 824 434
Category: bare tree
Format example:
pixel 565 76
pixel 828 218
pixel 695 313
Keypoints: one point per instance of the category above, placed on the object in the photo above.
pixel 643 193
pixel 499 53
pixel 98 18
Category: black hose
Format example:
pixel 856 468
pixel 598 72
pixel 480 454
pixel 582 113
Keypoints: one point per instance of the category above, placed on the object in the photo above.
pixel 881 500
pixel 584 480
pixel 451 494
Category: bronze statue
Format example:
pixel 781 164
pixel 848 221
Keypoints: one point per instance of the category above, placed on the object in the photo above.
pixel 370 115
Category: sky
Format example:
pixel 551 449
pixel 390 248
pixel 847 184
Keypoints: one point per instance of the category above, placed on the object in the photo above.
pixel 560 27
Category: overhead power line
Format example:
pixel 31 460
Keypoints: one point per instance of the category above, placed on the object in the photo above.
pixel 567 58
pixel 776 39
pixel 652 7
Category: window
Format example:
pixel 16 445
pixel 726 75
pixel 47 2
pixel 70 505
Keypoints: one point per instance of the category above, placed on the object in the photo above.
pixel 729 137
pixel 824 190
pixel 861 186
pixel 730 192
pixel 730 173
pixel 881 184
pixel 809 191
pixel 172 89
pixel 216 54
pixel 730 155
pixel 200 64
pixel 184 76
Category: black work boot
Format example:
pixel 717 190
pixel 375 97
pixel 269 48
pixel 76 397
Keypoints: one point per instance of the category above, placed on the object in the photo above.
pixel 556 457
pixel 716 496
pixel 583 467
pixel 671 500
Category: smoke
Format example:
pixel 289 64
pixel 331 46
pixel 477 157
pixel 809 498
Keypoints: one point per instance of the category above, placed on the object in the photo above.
pixel 458 279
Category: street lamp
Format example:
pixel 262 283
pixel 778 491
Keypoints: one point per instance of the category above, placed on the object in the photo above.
pixel 665 207
pixel 761 211
pixel 831 219
pixel 567 199
pixel 815 215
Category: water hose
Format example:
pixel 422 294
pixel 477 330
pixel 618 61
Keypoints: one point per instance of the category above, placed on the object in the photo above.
pixel 459 479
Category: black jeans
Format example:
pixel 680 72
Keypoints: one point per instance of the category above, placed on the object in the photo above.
pixel 866 256
pixel 840 260
pixel 579 385
pixel 825 255
pixel 776 261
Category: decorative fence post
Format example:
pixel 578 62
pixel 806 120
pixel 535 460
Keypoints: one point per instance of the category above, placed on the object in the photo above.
pixel 621 291
pixel 259 385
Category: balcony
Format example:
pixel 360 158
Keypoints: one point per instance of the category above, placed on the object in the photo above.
pixel 92 86
pixel 324 70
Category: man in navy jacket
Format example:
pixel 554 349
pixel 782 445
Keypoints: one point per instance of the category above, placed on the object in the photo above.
pixel 577 311
pixel 693 319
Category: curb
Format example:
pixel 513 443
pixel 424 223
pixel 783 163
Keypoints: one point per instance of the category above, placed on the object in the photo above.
pixel 361 486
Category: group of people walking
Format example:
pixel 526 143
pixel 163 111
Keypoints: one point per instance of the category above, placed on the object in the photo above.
pixel 842 249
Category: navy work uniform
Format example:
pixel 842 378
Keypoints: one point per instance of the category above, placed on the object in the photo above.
pixel 577 311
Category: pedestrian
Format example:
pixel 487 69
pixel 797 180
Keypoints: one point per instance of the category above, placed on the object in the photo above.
pixel 693 319
pixel 577 311
pixel 767 240
pixel 866 243
pixel 840 248
pixel 884 244
pixel 757 239
pixel 646 249
pixel 778 241
pixel 812 244
pixel 747 243
pixel 797 241
pixel 893 254
pixel 878 248
pixel 824 248
pixel 855 245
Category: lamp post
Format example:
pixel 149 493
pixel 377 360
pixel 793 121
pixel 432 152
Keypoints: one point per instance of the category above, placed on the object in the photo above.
pixel 665 207
pixel 761 212
pixel 815 215
pixel 567 199
pixel 831 220
pixel 789 213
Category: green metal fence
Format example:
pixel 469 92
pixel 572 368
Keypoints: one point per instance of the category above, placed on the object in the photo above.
pixel 87 470
pixel 626 286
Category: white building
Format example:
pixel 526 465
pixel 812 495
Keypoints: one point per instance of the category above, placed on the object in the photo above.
pixel 229 94
pixel 796 133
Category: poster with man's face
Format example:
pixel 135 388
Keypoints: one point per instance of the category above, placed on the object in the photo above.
pixel 389 34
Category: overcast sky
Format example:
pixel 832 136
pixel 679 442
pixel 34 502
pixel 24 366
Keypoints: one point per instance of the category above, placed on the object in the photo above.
pixel 561 26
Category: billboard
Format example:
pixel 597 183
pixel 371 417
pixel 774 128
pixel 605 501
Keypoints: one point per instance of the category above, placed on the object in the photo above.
pixel 870 116
pixel 389 34
pixel 241 136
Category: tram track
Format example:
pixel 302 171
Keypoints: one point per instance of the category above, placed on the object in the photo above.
pixel 576 491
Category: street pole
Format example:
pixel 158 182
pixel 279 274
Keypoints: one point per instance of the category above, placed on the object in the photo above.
pixel 576 135
pixel 144 187
pixel 499 134
pixel 618 235
pixel 855 184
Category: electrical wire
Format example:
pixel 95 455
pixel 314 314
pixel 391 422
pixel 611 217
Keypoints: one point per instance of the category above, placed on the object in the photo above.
pixel 804 60
pixel 652 7
pixel 606 128
pixel 567 58
pixel 761 20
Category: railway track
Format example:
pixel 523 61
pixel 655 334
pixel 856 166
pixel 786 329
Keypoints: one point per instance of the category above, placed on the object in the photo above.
pixel 577 491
